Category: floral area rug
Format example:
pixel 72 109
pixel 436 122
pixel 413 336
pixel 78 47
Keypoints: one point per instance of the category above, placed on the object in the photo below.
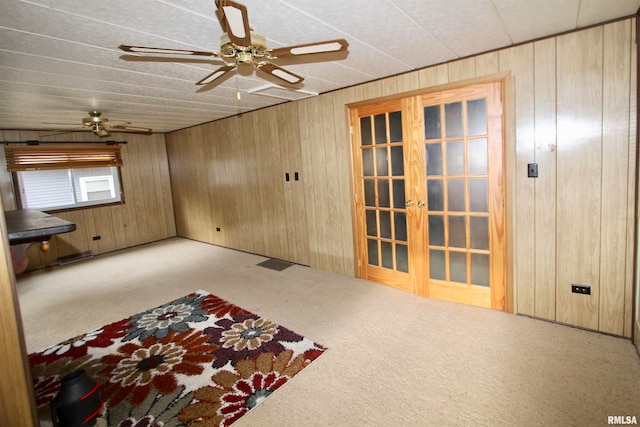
pixel 196 361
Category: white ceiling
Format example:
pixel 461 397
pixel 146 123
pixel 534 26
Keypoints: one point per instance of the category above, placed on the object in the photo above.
pixel 60 58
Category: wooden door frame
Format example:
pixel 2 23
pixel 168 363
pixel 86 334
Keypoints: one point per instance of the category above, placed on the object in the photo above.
pixel 509 152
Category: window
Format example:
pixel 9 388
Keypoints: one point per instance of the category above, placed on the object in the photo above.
pixel 68 188
pixel 97 187
pixel 65 177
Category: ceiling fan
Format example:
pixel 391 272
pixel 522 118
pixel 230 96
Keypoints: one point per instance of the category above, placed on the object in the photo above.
pixel 241 46
pixel 101 126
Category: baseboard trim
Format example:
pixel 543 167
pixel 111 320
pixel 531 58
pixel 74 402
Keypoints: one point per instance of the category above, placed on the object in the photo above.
pixel 579 327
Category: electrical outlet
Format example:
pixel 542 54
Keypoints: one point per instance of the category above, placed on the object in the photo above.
pixel 532 170
pixel 581 289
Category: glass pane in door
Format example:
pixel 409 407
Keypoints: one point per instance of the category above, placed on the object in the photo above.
pixel 455 158
pixel 453 121
pixel 476 117
pixel 437 265
pixel 436 230
pixel 434 159
pixel 380 128
pixel 435 195
pixel 382 151
pixel 457 267
pixel 477 156
pixel 432 128
pixel 480 269
pixel 456 177
pixel 395 126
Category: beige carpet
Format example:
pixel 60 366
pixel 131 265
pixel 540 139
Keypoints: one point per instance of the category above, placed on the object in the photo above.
pixel 394 359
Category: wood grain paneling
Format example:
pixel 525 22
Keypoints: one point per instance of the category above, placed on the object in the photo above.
pixel 331 199
pixel 6 184
pixel 250 192
pixel 17 406
pixel 632 289
pixel 579 130
pixel 372 90
pixel 407 82
pixel 294 200
pixel 463 69
pixel 519 61
pixel 487 64
pixel 146 216
pixel 216 171
pixel 545 184
pixel 433 76
pixel 269 198
pixel 197 209
pixel 235 206
pixel 343 174
pixel 615 166
pixel 306 121
pixel 316 200
pixel 243 162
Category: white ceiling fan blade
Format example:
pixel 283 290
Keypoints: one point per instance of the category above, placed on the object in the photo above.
pixel 235 21
pixel 217 74
pixel 182 59
pixel 279 73
pixel 165 51
pixel 337 45
pixel 63 131
pixel 59 124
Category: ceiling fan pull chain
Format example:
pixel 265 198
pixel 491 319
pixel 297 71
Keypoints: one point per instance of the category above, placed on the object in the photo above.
pixel 237 87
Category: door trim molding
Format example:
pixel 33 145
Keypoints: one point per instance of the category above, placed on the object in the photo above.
pixel 496 77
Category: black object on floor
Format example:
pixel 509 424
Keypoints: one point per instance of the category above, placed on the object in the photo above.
pixel 275 264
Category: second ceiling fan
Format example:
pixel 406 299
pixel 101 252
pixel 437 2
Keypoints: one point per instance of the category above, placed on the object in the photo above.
pixel 100 126
pixel 241 46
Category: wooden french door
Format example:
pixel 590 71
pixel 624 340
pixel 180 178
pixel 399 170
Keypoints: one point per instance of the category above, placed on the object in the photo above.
pixel 429 198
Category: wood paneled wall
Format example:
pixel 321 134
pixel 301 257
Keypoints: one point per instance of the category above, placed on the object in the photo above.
pixel 235 192
pixel 146 216
pixel 17 406
pixel 569 106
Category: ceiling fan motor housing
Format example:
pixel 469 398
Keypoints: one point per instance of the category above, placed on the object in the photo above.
pixel 94 119
pixel 244 55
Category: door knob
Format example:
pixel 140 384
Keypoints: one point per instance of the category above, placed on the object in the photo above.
pixel 421 203
pixel 409 203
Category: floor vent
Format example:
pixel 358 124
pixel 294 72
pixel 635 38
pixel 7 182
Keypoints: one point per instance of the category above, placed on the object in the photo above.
pixel 275 264
pixel 75 257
